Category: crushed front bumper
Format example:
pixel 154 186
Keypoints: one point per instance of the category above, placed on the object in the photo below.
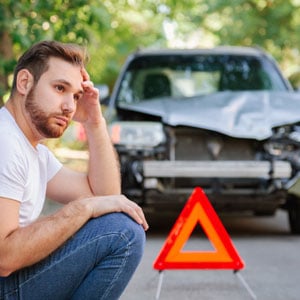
pixel 217 169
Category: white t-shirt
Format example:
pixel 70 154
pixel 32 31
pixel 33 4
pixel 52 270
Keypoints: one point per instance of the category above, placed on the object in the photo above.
pixel 24 170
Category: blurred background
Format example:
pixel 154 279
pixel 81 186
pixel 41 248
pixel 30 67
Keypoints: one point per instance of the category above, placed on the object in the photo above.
pixel 112 29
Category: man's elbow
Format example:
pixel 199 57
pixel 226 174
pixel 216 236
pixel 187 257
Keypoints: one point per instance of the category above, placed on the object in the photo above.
pixel 7 267
pixel 5 272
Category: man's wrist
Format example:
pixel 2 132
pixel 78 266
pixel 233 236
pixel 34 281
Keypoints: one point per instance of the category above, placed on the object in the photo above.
pixel 94 124
pixel 80 207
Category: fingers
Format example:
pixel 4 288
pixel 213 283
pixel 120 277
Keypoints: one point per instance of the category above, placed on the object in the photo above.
pixel 88 85
pixel 119 203
pixel 85 75
pixel 137 214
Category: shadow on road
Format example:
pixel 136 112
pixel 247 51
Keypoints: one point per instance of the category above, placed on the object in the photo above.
pixel 236 225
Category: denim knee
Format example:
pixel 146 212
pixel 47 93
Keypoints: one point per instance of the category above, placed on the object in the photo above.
pixel 125 240
pixel 136 235
pixel 122 224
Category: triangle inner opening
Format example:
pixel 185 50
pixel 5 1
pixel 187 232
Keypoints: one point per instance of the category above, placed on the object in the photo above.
pixel 198 241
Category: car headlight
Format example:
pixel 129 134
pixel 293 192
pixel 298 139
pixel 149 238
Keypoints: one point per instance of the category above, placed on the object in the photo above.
pixel 137 134
pixel 295 135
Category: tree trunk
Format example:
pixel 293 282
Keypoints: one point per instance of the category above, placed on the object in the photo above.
pixel 6 54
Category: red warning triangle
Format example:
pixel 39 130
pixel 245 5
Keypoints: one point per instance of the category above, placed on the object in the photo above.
pixel 198 210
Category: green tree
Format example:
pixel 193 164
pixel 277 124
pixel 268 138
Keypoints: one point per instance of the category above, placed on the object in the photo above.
pixel 110 30
pixel 24 22
pixel 134 24
pixel 269 24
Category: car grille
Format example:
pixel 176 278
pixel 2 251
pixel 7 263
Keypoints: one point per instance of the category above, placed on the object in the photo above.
pixel 197 144
pixel 197 153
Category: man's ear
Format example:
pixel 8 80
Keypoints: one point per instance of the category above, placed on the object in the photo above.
pixel 25 81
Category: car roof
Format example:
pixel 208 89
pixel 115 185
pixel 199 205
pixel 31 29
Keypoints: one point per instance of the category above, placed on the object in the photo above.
pixel 232 50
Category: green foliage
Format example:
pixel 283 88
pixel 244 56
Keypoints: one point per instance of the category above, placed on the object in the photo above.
pixel 269 24
pixel 109 30
pixel 112 29
pixel 24 22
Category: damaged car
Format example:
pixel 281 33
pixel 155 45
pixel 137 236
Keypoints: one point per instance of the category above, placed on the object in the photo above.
pixel 224 119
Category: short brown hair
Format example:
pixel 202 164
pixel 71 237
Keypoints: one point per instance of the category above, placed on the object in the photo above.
pixel 35 59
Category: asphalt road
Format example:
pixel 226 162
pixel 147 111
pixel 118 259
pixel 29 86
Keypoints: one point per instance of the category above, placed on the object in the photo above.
pixel 270 253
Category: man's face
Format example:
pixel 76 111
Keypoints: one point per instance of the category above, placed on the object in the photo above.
pixel 51 103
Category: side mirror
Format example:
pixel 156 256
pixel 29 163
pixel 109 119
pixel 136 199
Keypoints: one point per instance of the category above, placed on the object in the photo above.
pixel 104 101
pixel 103 92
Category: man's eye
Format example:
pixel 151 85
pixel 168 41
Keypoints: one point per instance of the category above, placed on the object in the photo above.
pixel 77 97
pixel 60 88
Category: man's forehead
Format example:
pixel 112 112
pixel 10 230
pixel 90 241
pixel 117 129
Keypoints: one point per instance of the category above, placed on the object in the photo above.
pixel 61 69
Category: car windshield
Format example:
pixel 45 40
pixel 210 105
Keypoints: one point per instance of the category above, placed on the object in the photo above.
pixel 182 76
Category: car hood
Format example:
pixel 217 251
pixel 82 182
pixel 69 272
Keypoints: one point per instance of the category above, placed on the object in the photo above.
pixel 237 114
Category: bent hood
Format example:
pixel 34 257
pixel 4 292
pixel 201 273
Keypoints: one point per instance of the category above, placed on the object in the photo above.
pixel 237 114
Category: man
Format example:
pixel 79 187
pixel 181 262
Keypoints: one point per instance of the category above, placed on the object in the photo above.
pixel 90 248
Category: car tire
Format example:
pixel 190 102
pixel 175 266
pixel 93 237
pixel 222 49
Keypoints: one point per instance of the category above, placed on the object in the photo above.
pixel 294 214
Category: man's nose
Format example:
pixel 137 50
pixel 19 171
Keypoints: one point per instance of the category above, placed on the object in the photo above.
pixel 69 104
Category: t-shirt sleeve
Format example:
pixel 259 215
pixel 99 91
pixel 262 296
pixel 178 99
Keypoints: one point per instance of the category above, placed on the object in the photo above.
pixel 13 171
pixel 53 164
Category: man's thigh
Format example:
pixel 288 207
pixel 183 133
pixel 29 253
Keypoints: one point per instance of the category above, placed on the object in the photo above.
pixel 61 274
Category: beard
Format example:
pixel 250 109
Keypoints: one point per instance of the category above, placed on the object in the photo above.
pixel 41 120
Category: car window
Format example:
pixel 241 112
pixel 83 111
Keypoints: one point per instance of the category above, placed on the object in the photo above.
pixel 181 76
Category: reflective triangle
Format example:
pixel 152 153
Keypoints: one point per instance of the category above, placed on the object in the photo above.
pixel 198 210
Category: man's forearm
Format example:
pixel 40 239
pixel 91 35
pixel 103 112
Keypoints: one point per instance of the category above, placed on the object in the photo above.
pixel 28 245
pixel 103 169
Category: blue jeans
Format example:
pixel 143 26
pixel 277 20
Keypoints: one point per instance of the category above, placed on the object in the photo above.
pixel 96 263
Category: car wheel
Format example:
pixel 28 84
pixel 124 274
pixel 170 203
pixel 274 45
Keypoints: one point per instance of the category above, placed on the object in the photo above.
pixel 294 215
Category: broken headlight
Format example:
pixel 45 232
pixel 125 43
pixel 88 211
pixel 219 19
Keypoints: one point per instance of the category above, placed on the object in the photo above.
pixel 137 135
